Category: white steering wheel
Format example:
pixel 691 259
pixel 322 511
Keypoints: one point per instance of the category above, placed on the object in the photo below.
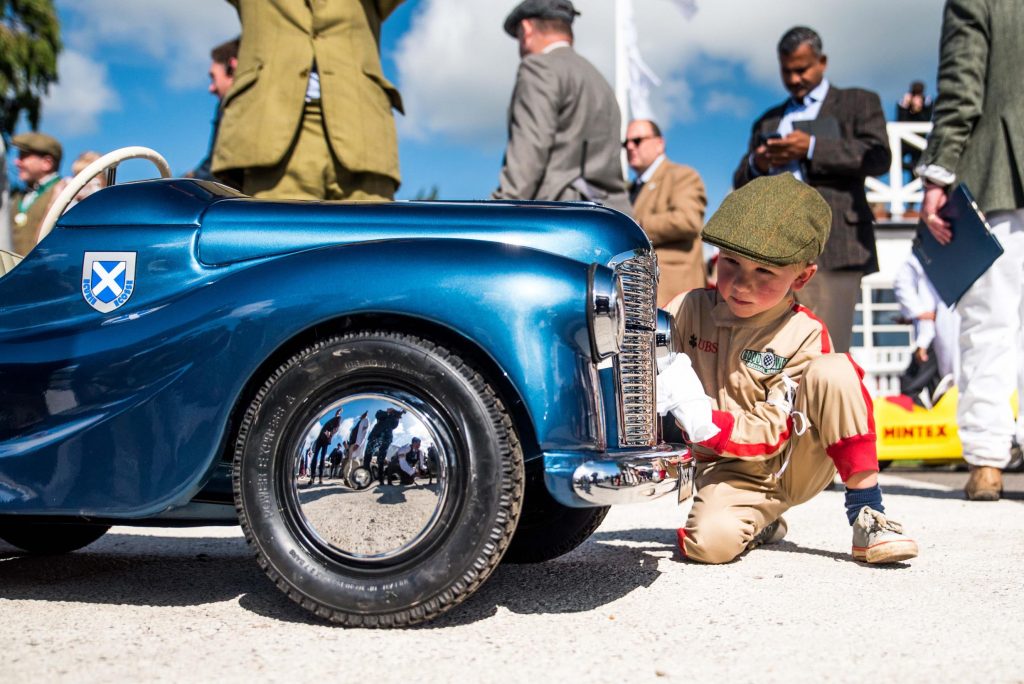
pixel 108 161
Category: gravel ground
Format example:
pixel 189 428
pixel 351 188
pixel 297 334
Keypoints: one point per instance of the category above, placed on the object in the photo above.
pixel 190 605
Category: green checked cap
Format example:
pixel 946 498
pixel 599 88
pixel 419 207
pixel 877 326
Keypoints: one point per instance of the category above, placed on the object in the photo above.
pixel 775 220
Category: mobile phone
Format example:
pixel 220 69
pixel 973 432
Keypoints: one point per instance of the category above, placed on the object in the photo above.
pixel 763 138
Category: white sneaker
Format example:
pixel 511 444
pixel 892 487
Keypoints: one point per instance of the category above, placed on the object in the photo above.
pixel 876 539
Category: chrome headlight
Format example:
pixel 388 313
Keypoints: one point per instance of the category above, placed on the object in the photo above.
pixel 664 342
pixel 606 314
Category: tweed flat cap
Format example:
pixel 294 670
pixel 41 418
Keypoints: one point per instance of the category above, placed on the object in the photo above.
pixel 38 143
pixel 539 9
pixel 774 220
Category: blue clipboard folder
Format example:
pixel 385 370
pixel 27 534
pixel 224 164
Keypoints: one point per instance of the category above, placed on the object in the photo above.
pixel 953 268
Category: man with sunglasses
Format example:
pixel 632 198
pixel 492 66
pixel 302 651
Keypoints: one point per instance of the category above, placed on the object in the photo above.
pixel 668 202
pixel 563 121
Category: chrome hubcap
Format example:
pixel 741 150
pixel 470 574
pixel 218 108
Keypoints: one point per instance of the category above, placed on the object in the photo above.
pixel 370 474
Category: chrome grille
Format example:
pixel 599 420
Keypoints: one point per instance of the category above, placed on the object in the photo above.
pixel 634 366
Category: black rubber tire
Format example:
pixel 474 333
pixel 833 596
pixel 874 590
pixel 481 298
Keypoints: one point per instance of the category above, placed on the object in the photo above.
pixel 50 538
pixel 547 529
pixel 482 506
pixel 884 464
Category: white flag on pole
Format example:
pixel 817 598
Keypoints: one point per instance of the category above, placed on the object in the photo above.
pixel 641 77
pixel 688 7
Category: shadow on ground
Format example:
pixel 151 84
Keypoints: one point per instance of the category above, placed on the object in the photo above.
pixel 139 570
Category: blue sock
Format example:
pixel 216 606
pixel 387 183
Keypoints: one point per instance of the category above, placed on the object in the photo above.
pixel 857 499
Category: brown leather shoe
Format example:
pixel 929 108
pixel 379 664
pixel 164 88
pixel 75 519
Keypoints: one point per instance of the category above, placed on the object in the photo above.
pixel 984 484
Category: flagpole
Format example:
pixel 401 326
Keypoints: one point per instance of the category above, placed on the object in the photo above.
pixel 622 75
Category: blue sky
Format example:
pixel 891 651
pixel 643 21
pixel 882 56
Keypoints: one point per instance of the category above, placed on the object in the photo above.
pixel 134 73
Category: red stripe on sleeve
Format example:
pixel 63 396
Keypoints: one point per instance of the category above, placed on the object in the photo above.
pixel 721 443
pixel 826 345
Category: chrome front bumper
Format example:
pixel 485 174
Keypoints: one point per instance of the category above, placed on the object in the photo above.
pixel 610 479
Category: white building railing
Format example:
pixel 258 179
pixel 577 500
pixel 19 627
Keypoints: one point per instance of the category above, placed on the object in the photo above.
pixel 903 136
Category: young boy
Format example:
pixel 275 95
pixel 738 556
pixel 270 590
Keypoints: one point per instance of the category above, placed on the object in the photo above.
pixel 789 413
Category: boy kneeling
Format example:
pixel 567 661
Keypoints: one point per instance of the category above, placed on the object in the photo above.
pixel 788 413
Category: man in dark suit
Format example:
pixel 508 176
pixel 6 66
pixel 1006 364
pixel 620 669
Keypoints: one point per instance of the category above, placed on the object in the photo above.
pixel 563 121
pixel 832 139
pixel 978 138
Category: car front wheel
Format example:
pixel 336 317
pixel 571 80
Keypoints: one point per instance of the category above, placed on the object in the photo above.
pixel 383 555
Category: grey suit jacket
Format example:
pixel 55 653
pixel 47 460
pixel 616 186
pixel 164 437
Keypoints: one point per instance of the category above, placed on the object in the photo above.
pixel 838 170
pixel 563 122
pixel 979 112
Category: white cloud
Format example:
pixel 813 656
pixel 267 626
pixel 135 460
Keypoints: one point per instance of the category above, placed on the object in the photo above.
pixel 720 102
pixel 457 67
pixel 83 93
pixel 177 35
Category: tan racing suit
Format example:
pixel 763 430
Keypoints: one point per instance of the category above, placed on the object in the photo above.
pixel 790 414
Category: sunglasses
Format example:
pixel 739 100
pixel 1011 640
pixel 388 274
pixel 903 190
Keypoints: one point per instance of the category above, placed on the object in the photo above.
pixel 637 141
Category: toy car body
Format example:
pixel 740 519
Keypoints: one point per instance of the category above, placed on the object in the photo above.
pixel 177 353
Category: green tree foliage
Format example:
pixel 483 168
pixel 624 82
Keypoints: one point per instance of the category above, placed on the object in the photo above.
pixel 29 44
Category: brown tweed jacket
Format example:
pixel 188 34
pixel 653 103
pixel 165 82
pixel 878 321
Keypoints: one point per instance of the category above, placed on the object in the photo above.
pixel 838 170
pixel 670 209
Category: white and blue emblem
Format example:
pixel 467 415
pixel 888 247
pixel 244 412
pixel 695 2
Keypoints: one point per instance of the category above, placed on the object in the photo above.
pixel 108 279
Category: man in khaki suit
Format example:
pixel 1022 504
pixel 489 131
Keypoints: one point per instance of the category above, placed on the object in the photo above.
pixel 309 113
pixel 668 202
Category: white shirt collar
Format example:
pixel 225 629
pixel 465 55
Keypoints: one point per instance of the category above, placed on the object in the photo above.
pixel 816 95
pixel 554 46
pixel 646 175
pixel 44 180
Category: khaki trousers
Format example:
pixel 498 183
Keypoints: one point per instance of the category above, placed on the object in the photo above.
pixel 737 498
pixel 833 297
pixel 311 171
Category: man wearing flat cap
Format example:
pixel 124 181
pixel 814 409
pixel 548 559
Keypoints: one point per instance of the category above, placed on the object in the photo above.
pixel 38 163
pixel 563 121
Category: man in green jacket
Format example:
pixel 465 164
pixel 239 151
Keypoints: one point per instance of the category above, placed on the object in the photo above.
pixel 309 113
pixel 38 164
pixel 978 139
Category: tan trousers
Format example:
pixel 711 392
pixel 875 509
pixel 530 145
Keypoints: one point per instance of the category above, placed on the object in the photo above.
pixel 737 498
pixel 833 297
pixel 310 171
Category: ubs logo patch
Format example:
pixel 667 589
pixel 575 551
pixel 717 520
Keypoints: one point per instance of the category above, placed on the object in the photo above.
pixel 767 361
pixel 703 345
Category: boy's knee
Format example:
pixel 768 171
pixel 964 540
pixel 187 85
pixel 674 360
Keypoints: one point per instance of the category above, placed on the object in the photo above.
pixel 829 369
pixel 715 537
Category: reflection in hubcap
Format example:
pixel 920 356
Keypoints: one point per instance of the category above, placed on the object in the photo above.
pixel 370 475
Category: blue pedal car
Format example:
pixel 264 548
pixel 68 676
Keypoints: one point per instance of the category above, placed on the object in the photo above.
pixel 389 398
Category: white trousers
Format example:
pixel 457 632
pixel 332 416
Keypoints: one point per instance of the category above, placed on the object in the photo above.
pixel 992 349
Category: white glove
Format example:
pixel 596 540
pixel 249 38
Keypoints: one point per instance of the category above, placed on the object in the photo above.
pixel 679 392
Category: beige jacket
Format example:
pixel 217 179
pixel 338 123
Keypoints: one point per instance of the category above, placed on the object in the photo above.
pixel 741 363
pixel 670 209
pixel 281 40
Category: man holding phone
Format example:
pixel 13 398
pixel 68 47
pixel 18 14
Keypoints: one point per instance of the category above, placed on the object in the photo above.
pixel 832 139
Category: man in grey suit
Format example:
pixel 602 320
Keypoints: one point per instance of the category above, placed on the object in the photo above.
pixel 978 138
pixel 563 122
pixel 832 139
